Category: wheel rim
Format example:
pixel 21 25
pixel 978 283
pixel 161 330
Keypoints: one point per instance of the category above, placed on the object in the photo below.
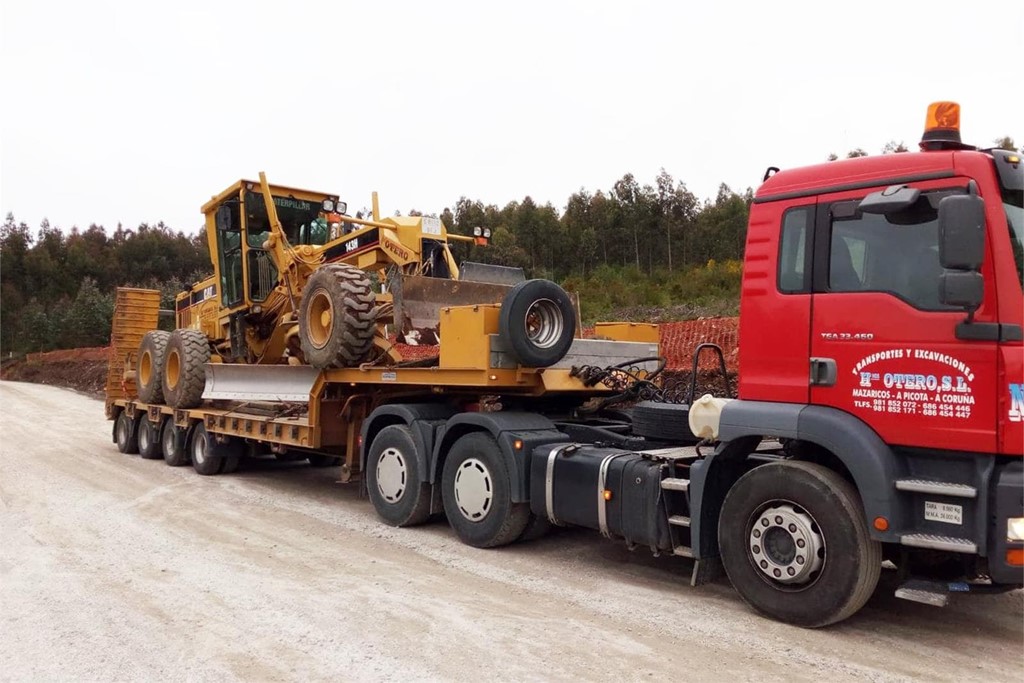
pixel 544 323
pixel 172 369
pixel 143 436
pixel 199 450
pixel 168 442
pixel 785 544
pixel 145 368
pixel 320 318
pixel 391 475
pixel 474 490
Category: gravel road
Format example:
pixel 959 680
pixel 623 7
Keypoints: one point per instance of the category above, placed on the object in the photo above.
pixel 117 568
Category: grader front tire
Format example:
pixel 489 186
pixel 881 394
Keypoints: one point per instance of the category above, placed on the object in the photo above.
pixel 149 376
pixel 337 317
pixel 184 374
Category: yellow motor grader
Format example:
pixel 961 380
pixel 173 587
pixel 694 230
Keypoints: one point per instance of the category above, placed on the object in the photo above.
pixel 298 281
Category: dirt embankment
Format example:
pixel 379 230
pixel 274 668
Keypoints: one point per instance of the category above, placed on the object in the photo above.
pixel 85 369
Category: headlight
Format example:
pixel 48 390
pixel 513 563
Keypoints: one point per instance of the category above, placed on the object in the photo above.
pixel 1015 529
pixel 341 207
pixel 328 205
pixel 487 233
pixel 477 231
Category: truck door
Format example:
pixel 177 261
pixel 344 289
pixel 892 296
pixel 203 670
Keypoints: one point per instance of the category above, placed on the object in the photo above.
pixel 882 346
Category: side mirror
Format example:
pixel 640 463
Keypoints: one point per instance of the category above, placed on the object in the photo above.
pixel 224 218
pixel 962 232
pixel 890 200
pixel 962 288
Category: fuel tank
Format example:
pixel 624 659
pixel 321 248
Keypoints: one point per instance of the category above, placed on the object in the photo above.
pixel 614 491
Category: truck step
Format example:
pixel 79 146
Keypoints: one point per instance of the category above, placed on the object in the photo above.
pixel 679 520
pixel 936 542
pixel 671 484
pixel 683 551
pixel 938 488
pixel 923 596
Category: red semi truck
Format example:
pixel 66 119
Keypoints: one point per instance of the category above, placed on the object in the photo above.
pixel 880 409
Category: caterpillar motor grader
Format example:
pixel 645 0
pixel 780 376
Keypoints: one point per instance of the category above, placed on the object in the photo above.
pixel 293 283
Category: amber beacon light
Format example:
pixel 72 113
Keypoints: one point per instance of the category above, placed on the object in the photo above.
pixel 942 127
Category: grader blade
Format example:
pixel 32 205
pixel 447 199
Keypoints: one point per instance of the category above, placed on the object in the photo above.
pixel 240 382
pixel 418 302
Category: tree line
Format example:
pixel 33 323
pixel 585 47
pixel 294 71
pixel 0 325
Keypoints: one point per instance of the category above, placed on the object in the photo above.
pixel 631 250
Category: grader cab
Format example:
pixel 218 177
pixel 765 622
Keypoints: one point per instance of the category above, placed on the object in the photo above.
pixel 296 280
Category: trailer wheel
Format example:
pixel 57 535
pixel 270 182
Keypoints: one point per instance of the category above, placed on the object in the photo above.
pixel 149 439
pixel 205 460
pixel 398 490
pixel 126 433
pixel 172 444
pixel 150 370
pixel 184 374
pixel 477 495
pixel 795 544
pixel 337 317
pixel 538 322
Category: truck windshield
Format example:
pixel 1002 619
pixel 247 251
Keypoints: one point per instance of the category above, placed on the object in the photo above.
pixel 300 220
pixel 1013 202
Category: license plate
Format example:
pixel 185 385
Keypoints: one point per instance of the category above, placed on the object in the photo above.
pixel 943 512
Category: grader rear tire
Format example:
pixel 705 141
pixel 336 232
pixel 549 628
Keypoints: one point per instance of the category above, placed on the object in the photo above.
pixel 184 375
pixel 337 317
pixel 149 376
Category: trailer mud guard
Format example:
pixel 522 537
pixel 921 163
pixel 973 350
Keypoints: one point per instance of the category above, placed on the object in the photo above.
pixel 507 428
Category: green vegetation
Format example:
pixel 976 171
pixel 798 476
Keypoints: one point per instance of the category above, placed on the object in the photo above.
pixel 636 251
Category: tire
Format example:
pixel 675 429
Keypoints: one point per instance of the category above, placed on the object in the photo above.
pixel 477 494
pixel 150 366
pixel 663 421
pixel 826 512
pixel 205 460
pixel 337 317
pixel 149 439
pixel 538 322
pixel 172 444
pixel 184 374
pixel 399 491
pixel 321 460
pixel 126 434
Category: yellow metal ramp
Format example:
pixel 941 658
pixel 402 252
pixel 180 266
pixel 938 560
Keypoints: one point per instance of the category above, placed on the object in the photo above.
pixel 136 312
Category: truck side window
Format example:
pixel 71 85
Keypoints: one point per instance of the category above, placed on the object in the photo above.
pixel 894 253
pixel 793 251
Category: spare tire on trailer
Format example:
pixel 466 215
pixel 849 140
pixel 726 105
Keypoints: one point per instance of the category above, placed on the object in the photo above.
pixel 150 366
pixel 184 374
pixel 663 422
pixel 538 322
pixel 337 317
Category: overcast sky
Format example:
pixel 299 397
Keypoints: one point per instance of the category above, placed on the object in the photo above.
pixel 140 111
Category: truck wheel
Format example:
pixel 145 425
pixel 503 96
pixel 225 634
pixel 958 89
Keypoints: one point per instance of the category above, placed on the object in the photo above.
pixel 172 444
pixel 795 544
pixel 149 375
pixel 477 494
pixel 149 439
pixel 184 373
pixel 126 433
pixel 538 322
pixel 205 460
pixel 398 490
pixel 337 317
pixel 321 460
